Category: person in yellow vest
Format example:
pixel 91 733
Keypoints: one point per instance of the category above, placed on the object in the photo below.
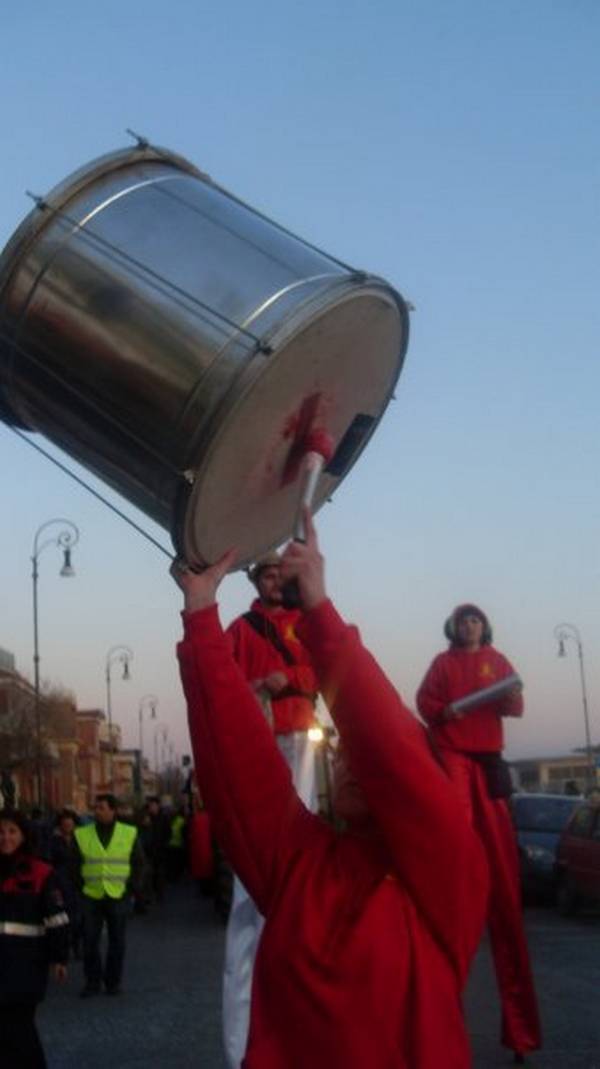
pixel 111 867
pixel 176 846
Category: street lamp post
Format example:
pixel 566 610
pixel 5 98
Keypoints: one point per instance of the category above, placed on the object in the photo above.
pixel 65 540
pixel 161 729
pixel 124 656
pixel 163 749
pixel 562 633
pixel 152 702
pixel 171 765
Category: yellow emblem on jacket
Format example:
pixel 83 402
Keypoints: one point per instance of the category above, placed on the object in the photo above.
pixel 486 671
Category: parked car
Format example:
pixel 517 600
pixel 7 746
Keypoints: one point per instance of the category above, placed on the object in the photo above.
pixel 578 860
pixel 539 820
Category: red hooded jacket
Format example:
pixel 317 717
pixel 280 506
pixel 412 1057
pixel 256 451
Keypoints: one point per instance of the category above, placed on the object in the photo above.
pixel 294 708
pixel 368 938
pixel 453 675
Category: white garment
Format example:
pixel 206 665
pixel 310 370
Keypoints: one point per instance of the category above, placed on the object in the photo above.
pixel 246 923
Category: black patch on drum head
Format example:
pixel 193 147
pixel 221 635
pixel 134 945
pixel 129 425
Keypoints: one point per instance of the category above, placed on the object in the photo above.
pixel 351 444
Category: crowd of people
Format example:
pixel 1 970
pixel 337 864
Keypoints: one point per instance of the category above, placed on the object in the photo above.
pixel 63 880
pixel 349 940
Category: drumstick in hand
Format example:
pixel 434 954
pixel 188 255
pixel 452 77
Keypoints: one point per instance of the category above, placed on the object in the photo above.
pixel 318 450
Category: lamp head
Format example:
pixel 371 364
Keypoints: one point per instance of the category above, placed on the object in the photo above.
pixel 126 674
pixel 315 733
pixel 67 569
pixel 561 648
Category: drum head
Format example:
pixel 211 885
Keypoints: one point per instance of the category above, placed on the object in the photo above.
pixel 337 374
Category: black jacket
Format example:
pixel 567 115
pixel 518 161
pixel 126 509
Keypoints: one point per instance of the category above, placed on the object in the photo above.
pixel 33 928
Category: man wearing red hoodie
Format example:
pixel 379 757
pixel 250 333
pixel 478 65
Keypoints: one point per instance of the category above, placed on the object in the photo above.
pixel 470 745
pixel 278 668
pixel 368 932
pixel 270 654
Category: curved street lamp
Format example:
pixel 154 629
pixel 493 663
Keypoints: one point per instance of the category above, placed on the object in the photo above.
pixel 65 540
pixel 124 655
pixel 564 633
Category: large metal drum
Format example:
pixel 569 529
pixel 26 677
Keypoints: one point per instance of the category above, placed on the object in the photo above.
pixel 181 345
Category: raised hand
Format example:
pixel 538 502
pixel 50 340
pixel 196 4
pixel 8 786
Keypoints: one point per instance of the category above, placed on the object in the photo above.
pixel 200 588
pixel 303 561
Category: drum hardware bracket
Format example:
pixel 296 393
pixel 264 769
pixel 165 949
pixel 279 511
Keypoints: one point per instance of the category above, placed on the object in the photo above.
pixel 264 348
pixel 189 475
pixel 142 142
pixel 38 201
pixel 358 276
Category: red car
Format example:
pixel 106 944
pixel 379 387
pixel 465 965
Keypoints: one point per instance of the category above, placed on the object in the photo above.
pixel 578 860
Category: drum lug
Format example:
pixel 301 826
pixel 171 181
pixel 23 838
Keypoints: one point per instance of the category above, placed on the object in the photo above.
pixel 264 348
pixel 142 142
pixel 37 200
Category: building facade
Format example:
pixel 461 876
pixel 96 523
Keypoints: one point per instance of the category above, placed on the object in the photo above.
pixel 72 755
pixel 557 775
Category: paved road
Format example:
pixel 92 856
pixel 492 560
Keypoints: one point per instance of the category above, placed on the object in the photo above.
pixel 566 961
pixel 168 1016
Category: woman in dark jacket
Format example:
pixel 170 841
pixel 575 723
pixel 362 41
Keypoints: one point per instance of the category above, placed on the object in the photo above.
pixel 64 858
pixel 33 937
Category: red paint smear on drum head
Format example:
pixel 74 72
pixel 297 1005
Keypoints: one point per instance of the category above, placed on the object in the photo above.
pixel 307 436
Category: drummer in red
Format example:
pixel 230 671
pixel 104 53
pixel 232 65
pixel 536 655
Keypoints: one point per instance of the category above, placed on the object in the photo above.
pixel 470 745
pixel 369 931
pixel 267 649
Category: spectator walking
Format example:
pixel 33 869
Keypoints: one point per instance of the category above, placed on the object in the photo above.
pixel 156 836
pixel 41 833
pixel 63 858
pixel 200 848
pixel 33 940
pixel 176 846
pixel 110 866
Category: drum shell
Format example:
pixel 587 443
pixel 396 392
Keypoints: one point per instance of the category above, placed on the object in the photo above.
pixel 139 306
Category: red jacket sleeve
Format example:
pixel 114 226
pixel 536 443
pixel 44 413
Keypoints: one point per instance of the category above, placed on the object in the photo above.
pixel 513 704
pixel 243 778
pixel 435 853
pixel 432 695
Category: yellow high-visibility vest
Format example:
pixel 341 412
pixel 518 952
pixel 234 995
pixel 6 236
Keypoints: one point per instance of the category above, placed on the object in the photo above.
pixel 177 828
pixel 106 870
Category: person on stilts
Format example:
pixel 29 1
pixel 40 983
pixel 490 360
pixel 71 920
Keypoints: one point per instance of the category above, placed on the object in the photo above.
pixel 470 744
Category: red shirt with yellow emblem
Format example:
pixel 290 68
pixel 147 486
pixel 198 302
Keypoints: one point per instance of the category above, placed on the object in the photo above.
pixel 453 675
pixel 294 708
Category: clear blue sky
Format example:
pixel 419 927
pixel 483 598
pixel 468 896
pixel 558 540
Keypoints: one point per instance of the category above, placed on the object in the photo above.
pixel 453 149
